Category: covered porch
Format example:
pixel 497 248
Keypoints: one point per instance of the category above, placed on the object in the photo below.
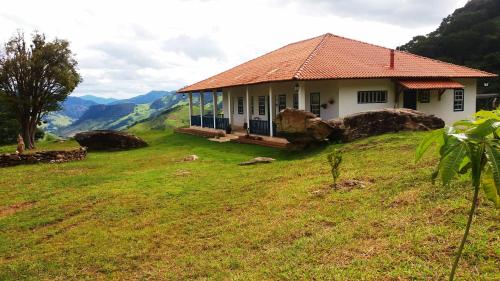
pixel 246 109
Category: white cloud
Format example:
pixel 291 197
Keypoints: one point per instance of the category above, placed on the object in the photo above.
pixel 127 47
pixel 408 13
pixel 195 48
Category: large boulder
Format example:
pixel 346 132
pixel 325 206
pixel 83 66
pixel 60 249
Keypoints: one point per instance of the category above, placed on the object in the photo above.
pixel 376 122
pixel 109 140
pixel 299 126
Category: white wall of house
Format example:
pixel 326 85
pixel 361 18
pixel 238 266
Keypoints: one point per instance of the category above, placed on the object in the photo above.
pixel 348 95
pixel 344 94
pixel 329 95
pixel 444 108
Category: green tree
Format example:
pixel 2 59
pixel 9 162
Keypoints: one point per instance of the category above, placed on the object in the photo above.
pixel 35 79
pixel 9 127
pixel 470 36
pixel 469 147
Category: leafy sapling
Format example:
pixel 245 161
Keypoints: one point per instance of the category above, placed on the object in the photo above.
pixel 334 159
pixel 470 147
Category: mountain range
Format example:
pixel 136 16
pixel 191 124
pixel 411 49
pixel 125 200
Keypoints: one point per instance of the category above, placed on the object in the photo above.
pixel 98 100
pixel 95 113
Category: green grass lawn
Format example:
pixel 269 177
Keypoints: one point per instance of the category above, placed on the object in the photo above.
pixel 144 215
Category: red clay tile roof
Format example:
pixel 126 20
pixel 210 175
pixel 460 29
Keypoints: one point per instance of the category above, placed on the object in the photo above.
pixel 430 84
pixel 332 57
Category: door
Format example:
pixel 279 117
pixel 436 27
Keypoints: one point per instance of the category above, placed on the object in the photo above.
pixel 410 99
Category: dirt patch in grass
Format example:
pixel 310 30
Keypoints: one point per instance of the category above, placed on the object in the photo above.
pixel 344 185
pixel 181 173
pixel 364 250
pixel 348 185
pixel 12 209
pixel 405 198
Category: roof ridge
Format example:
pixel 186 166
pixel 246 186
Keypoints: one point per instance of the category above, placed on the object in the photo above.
pixel 248 61
pixel 445 62
pixel 362 42
pixel 311 55
pixel 412 54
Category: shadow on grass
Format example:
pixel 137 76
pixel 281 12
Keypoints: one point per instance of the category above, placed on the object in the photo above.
pixel 199 143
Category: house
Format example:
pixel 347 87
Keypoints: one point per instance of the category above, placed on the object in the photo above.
pixel 333 76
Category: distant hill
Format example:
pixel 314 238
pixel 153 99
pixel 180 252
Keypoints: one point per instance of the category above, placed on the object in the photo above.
pixel 118 115
pixel 167 101
pixel 146 98
pixel 177 116
pixel 75 107
pixel 98 100
pixel 111 111
pixel 72 109
pixel 470 36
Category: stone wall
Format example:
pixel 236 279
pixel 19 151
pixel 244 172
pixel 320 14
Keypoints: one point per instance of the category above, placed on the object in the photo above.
pixel 8 160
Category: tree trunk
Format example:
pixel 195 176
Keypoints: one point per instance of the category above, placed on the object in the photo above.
pixel 28 132
pixel 466 233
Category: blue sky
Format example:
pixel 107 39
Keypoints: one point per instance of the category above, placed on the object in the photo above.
pixel 125 48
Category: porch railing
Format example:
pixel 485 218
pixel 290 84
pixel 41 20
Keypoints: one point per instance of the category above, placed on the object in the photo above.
pixel 208 121
pixel 195 120
pixel 261 127
pixel 221 123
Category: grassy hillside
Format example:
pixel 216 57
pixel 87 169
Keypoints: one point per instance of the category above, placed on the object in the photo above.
pixel 144 214
pixel 174 117
pixel 120 116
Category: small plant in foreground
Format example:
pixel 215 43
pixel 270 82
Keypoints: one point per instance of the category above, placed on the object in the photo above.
pixel 334 159
pixel 469 147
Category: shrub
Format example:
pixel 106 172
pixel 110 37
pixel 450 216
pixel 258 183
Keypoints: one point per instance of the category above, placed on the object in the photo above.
pixel 334 159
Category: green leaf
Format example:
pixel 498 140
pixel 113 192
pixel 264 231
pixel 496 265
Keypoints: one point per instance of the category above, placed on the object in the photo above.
pixel 465 166
pixel 493 156
pixel 484 114
pixel 424 145
pixel 476 154
pixel 482 130
pixel 463 124
pixel 491 192
pixel 451 162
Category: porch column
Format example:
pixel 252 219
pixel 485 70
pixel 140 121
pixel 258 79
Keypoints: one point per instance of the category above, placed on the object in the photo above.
pixel 202 110
pixel 248 108
pixel 271 108
pixel 302 96
pixel 230 109
pixel 214 99
pixel 190 97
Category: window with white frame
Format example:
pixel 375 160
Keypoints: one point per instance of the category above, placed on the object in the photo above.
pixel 458 100
pixel 240 105
pixel 296 101
pixel 281 102
pixel 424 96
pixel 372 97
pixel 262 105
pixel 315 103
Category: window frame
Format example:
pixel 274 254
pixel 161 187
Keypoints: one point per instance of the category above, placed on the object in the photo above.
pixel 281 105
pixel 313 106
pixel 459 101
pixel 424 96
pixel 240 106
pixel 375 96
pixel 262 105
pixel 295 101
